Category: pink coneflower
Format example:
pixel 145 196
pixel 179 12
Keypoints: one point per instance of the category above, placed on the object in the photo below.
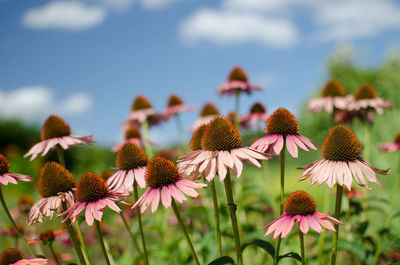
pixel 13 256
pixel 24 204
pixel 237 83
pixel 175 106
pixel 131 162
pixel 165 182
pixel 141 109
pixel 391 146
pixel 333 97
pixel 48 236
pixel 341 160
pixel 347 116
pixel 353 193
pixel 208 112
pixel 366 98
pixel 92 193
pixel 55 186
pixel 221 149
pixel 233 117
pixel 257 113
pixel 56 131
pixel 132 135
pixel 282 129
pixel 8 177
pixel 300 207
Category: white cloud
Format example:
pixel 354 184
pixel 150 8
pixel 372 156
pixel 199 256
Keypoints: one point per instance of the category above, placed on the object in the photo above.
pixel 64 15
pixel 227 27
pixel 156 4
pixel 37 102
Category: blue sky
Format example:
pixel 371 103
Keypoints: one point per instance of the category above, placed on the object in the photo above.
pixel 87 59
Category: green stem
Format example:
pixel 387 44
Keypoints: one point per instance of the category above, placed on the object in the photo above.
pixel 3 202
pixel 301 238
pixel 147 146
pixel 367 141
pixel 130 233
pixel 282 158
pixel 339 194
pixel 60 156
pixel 182 133
pixel 237 105
pixel 183 227
pixel 139 216
pixel 72 236
pixel 232 207
pixel 83 244
pixel 101 242
pixel 321 239
pixel 216 216
pixel 53 253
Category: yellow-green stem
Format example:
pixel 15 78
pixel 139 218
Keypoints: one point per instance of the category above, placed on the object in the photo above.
pixel 216 216
pixel 237 106
pixel 184 143
pixel 83 244
pixel 101 242
pixel 147 145
pixel 130 233
pixel 303 257
pixel 139 216
pixel 282 198
pixel 338 204
pixel 53 253
pixel 321 238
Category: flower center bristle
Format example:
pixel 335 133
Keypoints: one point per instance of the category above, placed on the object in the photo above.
pixel 220 135
pixel 130 156
pixel 195 142
pixel 397 138
pixel 333 89
pixel 282 122
pixel 341 145
pixel 4 165
pixel 161 172
pixel 141 103
pixel 47 236
pixel 209 109
pixel 10 256
pixel 54 126
pixel 365 92
pixel 132 132
pixel 237 74
pixel 106 174
pixel 257 108
pixel 300 202
pixel 54 179
pixel 174 100
pixel 90 188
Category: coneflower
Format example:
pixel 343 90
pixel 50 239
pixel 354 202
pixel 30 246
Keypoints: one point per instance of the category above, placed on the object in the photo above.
pixel 366 98
pixel 208 112
pixel 257 113
pixel 47 238
pixel 132 135
pixel 56 132
pixel 166 184
pixel 13 256
pixel 301 207
pixel 333 98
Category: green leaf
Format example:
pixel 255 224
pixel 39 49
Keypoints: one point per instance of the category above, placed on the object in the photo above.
pixel 292 255
pixel 362 227
pixel 261 244
pixel 222 260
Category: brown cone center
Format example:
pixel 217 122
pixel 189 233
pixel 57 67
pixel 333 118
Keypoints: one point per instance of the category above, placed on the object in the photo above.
pixel 130 156
pixel 4 165
pixel 300 202
pixel 140 103
pixel 174 100
pixel 10 256
pixel 333 89
pixel 195 142
pixel 365 92
pixel 161 172
pixel 257 108
pixel 54 179
pixel 237 74
pixel 54 126
pixel 282 122
pixel 221 135
pixel 209 109
pixel 90 187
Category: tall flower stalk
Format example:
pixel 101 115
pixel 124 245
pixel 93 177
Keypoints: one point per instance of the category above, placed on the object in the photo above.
pixel 338 204
pixel 216 217
pixel 139 216
pixel 101 242
pixel 282 197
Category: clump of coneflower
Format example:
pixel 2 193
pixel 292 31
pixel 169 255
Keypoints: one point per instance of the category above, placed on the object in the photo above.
pixel 333 98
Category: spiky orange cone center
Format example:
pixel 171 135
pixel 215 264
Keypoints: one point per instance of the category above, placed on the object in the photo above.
pixel 174 100
pixel 365 92
pixel 333 89
pixel 237 74
pixel 132 132
pixel 140 103
pixel 195 142
pixel 209 109
pixel 257 108
pixel 282 122
pixel 106 174
pixel 4 165
pixel 300 202
pixel 54 126
pixel 130 156
pixel 54 179
pixel 221 135
pixel 90 187
pixel 397 138
pixel 341 145
pixel 47 236
pixel 161 172
pixel 10 256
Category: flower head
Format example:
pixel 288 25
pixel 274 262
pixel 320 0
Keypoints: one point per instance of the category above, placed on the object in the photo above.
pixel 208 112
pixel 55 186
pixel 366 99
pixel 8 177
pixel 237 83
pixel 49 236
pixel 333 88
pixel 301 207
pixel 106 174
pixel 221 148
pixel 391 146
pixel 56 131
pixel 93 193
pixel 175 105
pixel 333 97
pixel 257 113
pixel 341 152
pixel 165 182
pixel 282 129
pixel 132 135
pixel 13 256
pixel 195 142
pixel 131 162
pixel 140 103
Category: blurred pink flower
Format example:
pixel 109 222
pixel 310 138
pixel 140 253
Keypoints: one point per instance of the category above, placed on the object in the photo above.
pixel 257 113
pixel 8 177
pixel 366 98
pixel 13 256
pixel 333 97
pixel 391 146
pixel 175 106
pixel 208 112
pixel 237 83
